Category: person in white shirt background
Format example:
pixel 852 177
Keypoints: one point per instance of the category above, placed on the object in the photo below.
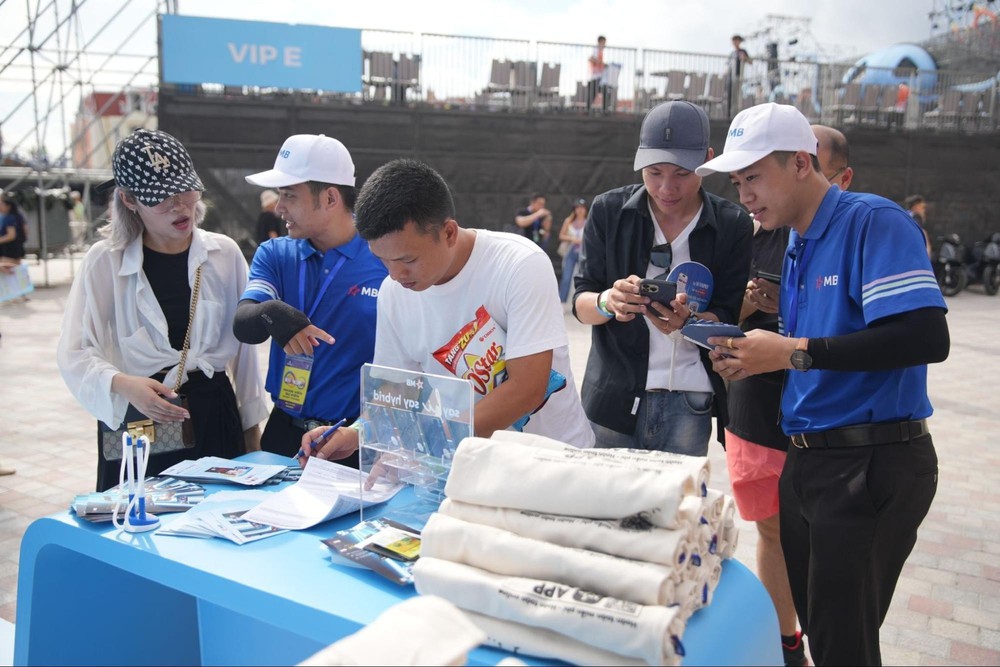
pixel 129 308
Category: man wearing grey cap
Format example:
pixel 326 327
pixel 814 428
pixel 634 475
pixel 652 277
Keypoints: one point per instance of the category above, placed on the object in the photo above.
pixel 645 386
pixel 312 293
pixel 856 285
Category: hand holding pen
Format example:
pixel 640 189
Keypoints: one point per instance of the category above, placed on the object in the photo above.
pixel 314 444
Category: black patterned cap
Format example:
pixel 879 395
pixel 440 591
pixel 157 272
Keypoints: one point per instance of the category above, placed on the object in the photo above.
pixel 153 165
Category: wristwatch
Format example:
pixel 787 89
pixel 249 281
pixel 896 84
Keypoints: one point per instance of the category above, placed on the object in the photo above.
pixel 801 361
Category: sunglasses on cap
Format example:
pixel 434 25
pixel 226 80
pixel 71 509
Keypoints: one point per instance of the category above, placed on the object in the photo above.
pixel 661 256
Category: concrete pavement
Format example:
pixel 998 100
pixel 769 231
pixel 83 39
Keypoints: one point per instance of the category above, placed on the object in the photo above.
pixel 947 606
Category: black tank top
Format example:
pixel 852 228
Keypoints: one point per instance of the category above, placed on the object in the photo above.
pixel 168 276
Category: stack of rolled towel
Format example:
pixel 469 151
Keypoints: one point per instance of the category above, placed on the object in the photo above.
pixel 593 556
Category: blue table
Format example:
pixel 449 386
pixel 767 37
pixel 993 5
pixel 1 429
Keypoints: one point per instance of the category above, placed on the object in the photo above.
pixel 90 594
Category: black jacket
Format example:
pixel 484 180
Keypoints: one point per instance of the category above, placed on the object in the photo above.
pixel 616 244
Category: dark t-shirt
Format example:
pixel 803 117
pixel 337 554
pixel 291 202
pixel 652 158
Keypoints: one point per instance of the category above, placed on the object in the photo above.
pixel 755 403
pixel 13 249
pixel 168 276
pixel 268 222
pixel 532 230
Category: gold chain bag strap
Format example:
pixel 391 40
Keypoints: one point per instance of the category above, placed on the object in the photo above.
pixel 163 436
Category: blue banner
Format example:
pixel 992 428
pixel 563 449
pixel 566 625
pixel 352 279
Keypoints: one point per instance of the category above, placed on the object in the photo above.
pixel 253 53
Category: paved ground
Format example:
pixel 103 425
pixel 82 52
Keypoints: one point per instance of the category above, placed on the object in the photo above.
pixel 947 606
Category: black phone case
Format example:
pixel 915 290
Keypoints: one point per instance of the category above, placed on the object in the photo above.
pixel 661 291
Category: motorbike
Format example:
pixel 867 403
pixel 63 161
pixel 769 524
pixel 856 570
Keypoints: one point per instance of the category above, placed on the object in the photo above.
pixel 983 268
pixel 949 264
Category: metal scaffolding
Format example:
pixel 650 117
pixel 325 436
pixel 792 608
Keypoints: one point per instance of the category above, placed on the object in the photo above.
pixel 66 51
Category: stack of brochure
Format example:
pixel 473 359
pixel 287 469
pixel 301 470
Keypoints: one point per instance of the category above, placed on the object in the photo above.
pixel 222 516
pixel 216 470
pixel 326 490
pixel 163 494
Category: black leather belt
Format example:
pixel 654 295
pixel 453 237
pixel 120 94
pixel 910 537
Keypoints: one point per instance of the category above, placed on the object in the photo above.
pixel 863 435
pixel 309 424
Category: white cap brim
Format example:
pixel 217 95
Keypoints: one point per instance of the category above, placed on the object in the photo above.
pixel 731 161
pixel 272 178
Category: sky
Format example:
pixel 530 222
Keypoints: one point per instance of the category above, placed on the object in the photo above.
pixel 835 29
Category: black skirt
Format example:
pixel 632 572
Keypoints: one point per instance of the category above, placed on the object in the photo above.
pixel 215 416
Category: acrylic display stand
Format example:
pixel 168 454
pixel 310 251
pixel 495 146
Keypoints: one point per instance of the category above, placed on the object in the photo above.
pixel 411 423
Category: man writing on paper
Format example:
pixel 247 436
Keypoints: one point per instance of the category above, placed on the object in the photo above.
pixel 856 285
pixel 310 289
pixel 477 304
pixel 646 387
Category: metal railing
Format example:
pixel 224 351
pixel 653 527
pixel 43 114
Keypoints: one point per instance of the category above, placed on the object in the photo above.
pixel 488 74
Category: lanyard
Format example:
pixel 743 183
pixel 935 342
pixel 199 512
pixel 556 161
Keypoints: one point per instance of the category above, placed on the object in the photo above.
pixel 322 289
pixel 803 251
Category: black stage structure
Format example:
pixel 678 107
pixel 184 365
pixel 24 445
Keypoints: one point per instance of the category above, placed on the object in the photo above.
pixel 494 160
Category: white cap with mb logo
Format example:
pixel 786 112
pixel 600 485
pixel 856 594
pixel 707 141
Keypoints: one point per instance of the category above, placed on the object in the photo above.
pixel 759 131
pixel 308 157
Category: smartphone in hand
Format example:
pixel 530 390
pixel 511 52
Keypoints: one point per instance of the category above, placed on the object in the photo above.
pixel 769 277
pixel 661 291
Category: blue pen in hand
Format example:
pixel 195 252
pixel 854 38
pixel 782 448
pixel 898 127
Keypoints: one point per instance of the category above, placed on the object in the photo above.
pixel 326 434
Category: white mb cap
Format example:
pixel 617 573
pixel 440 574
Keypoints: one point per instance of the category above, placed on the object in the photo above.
pixel 308 157
pixel 759 131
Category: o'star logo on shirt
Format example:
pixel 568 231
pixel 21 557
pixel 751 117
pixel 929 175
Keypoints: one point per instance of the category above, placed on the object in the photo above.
pixel 827 281
pixel 355 290
pixel 736 132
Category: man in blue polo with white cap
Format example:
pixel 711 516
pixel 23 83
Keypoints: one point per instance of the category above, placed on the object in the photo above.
pixel 313 293
pixel 646 387
pixel 862 317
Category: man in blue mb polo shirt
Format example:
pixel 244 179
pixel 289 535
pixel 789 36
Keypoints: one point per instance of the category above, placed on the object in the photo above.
pixel 312 292
pixel 856 287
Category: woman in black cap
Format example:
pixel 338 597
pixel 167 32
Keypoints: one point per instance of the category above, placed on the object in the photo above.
pixel 153 288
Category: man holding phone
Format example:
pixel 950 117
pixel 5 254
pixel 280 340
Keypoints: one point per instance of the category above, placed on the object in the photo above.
pixel 755 443
pixel 645 386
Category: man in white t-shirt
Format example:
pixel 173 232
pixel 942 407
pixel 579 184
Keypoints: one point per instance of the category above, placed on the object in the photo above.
pixel 476 304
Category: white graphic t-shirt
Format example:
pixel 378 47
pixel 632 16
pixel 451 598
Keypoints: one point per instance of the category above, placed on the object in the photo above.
pixel 503 304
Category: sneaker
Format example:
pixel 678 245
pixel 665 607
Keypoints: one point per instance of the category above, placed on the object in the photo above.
pixel 794 650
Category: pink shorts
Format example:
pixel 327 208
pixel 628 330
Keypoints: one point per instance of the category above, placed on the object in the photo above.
pixel 754 471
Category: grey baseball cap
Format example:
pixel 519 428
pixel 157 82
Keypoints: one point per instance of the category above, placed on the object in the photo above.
pixel 675 133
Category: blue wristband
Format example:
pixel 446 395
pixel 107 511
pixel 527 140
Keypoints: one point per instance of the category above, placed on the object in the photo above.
pixel 602 307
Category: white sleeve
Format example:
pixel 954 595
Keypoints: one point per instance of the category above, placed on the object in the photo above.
pixel 244 368
pixel 390 325
pixel 534 316
pixel 87 337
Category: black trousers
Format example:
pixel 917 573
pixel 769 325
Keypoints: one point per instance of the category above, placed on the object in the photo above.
pixel 849 519
pixel 281 436
pixel 218 430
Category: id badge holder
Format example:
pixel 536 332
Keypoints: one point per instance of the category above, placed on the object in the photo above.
pixel 294 383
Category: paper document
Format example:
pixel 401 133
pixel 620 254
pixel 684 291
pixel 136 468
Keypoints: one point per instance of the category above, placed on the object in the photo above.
pixel 326 491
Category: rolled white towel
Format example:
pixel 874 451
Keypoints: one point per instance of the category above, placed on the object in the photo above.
pixel 483 471
pixel 729 532
pixel 638 540
pixel 712 507
pixel 423 630
pixel 531 440
pixel 646 632
pixel 699 466
pixel 542 643
pixel 503 552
